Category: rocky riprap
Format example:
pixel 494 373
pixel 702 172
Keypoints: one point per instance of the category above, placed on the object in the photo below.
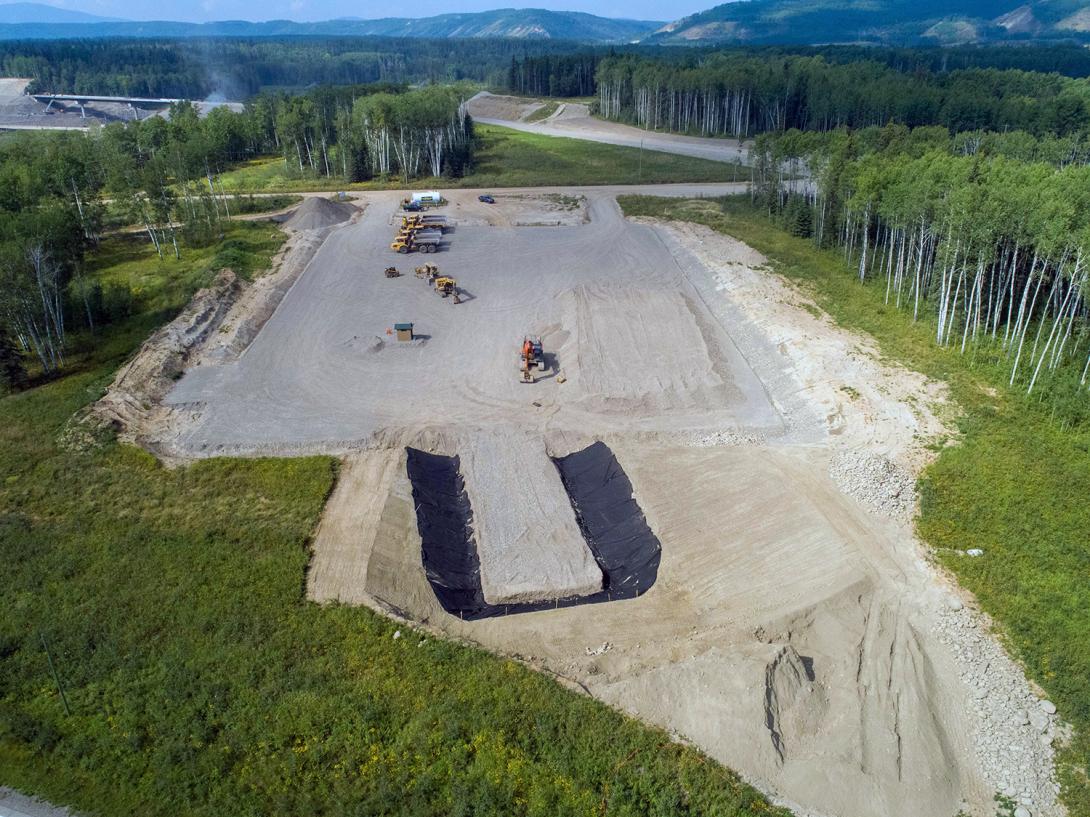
pixel 1016 729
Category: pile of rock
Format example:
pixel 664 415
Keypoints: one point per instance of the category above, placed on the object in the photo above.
pixel 726 438
pixel 882 485
pixel 1015 729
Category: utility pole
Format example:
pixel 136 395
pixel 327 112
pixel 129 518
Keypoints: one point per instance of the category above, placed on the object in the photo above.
pixel 640 177
pixel 56 678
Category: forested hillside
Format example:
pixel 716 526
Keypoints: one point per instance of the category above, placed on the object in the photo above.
pixel 520 24
pixel 238 68
pixel 879 21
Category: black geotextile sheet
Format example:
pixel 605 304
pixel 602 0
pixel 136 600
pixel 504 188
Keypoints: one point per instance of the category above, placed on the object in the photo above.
pixel 612 522
pixel 444 519
pixel 626 549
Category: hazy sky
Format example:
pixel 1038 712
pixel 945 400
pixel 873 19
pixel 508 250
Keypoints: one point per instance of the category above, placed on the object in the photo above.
pixel 203 10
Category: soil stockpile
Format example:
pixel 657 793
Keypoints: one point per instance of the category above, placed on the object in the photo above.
pixel 317 213
pixel 531 547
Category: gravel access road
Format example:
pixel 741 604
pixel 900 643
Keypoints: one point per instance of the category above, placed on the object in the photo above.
pixel 573 120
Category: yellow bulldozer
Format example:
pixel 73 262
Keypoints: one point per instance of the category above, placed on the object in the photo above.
pixel 447 286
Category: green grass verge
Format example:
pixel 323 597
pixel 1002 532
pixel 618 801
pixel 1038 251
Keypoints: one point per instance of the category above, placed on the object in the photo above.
pixel 254 205
pixel 511 158
pixel 200 681
pixel 544 112
pixel 1015 485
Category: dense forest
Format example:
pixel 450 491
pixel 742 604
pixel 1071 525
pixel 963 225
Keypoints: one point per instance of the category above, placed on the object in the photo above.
pixel 237 69
pixel 984 232
pixel 737 94
pixel 554 75
pixel 162 175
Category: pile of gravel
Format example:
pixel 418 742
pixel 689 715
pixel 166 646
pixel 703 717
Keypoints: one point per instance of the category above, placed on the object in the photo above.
pixel 726 439
pixel 317 213
pixel 1015 728
pixel 879 483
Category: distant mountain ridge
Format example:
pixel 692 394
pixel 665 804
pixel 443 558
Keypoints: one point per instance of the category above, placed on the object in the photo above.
pixel 936 22
pixel 17 13
pixel 529 24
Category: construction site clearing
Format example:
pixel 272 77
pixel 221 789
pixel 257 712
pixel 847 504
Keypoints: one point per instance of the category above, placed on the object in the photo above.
pixel 621 458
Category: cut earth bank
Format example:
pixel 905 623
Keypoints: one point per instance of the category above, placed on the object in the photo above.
pixel 795 632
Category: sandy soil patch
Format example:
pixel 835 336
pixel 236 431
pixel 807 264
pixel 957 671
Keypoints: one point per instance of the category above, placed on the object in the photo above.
pixel 871 408
pixel 345 538
pixel 519 210
pixel 496 106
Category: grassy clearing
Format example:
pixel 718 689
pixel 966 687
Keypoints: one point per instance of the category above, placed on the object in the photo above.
pixel 253 205
pixel 116 215
pixel 544 112
pixel 1015 485
pixel 201 682
pixel 510 158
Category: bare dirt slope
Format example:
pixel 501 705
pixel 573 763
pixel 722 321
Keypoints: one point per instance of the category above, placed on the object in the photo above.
pixel 214 328
pixel 795 631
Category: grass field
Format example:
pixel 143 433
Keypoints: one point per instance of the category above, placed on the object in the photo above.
pixel 199 681
pixel 117 216
pixel 544 112
pixel 1015 486
pixel 510 158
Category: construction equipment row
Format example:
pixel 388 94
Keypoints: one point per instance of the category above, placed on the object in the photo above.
pixel 420 221
pixel 417 234
pixel 444 284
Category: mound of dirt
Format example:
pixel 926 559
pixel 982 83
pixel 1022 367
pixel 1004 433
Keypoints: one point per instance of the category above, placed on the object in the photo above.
pixel 529 543
pixel 317 213
pixel 140 385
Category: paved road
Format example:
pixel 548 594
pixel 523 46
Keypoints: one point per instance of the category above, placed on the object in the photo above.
pixel 15 804
pixel 573 120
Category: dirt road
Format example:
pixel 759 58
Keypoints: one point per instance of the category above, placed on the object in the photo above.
pixel 573 120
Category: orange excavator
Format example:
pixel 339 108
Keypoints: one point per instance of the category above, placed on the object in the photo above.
pixel 531 357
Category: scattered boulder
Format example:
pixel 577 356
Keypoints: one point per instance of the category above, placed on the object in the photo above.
pixel 1039 720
